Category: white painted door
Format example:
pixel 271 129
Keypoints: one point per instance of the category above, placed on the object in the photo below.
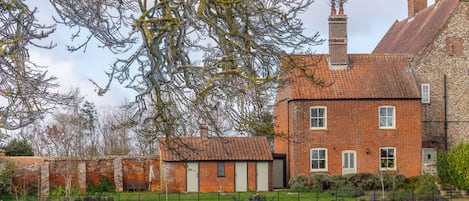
pixel 241 176
pixel 349 162
pixel 192 177
pixel 262 179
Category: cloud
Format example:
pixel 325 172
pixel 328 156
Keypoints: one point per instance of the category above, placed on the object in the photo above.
pixel 69 76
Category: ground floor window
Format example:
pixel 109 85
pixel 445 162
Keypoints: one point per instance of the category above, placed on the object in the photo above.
pixel 319 159
pixel 387 158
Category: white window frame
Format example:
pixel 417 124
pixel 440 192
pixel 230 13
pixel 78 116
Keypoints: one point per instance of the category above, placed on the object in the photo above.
pixel 318 159
pixel 387 158
pixel 316 118
pixel 387 116
pixel 425 89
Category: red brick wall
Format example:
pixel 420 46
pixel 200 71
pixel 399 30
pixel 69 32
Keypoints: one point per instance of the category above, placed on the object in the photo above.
pixel 210 182
pixel 99 169
pixel 61 171
pixel 173 177
pixel 252 171
pixel 353 125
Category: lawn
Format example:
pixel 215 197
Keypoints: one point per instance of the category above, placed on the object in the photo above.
pixel 155 196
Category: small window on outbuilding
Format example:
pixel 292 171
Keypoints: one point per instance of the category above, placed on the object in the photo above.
pixel 221 169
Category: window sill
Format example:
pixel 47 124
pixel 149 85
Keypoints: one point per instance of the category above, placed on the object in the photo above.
pixel 318 129
pixel 320 171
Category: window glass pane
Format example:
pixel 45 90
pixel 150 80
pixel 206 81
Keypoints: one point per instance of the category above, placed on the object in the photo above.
pixel 322 154
pixel 314 164
pixel 382 112
pixel 322 164
pixel 352 160
pixel 314 154
pixel 314 112
pixel 389 111
pixel 321 112
pixel 320 123
pixel 383 153
pixel 346 160
pixel 391 153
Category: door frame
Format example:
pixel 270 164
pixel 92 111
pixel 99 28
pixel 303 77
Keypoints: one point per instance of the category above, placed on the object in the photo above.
pixel 345 167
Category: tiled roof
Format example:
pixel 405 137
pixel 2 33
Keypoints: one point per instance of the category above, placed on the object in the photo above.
pixel 371 76
pixel 215 149
pixel 412 35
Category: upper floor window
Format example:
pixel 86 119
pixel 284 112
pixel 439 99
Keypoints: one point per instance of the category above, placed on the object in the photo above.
pixel 318 117
pixel 319 159
pixel 387 117
pixel 387 158
pixel 425 93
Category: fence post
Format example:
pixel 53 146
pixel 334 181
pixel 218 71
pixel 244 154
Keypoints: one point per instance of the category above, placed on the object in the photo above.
pixel 278 195
pixel 298 196
pixel 218 196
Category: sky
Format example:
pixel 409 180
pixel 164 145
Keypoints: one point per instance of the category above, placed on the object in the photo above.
pixel 368 21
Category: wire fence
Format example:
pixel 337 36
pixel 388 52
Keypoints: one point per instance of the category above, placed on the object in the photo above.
pixel 337 195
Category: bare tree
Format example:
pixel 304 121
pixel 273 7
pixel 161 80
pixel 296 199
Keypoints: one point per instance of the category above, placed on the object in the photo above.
pixel 26 91
pixel 189 56
pixel 115 126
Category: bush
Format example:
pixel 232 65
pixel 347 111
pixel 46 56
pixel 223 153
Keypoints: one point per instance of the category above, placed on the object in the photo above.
pixel 321 182
pixel 427 188
pixel 442 166
pixel 365 181
pixel 105 185
pixel 300 182
pixel 458 165
pixel 7 169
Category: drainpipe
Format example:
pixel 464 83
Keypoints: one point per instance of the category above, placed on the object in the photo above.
pixel 288 143
pixel 446 111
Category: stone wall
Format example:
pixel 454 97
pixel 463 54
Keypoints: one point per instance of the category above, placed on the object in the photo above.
pixel 46 174
pixel 448 55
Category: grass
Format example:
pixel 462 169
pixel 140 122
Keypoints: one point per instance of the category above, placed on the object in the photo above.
pixel 155 196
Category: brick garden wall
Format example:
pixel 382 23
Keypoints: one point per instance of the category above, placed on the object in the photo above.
pixel 46 174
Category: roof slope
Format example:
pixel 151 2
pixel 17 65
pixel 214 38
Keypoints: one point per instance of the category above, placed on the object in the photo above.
pixel 372 76
pixel 412 35
pixel 215 149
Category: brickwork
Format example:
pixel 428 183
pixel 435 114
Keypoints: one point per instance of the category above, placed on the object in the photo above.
pixel 446 55
pixel 46 174
pixel 353 125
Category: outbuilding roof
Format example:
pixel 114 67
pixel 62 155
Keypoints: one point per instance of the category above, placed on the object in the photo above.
pixel 215 149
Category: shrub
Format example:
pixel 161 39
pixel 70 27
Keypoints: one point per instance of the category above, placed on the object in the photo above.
pixel 7 169
pixel 365 181
pixel 105 185
pixel 458 165
pixel 299 183
pixel 427 188
pixel 442 166
pixel 321 182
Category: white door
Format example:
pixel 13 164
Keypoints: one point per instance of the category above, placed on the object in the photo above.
pixel 349 162
pixel 192 173
pixel 262 179
pixel 241 176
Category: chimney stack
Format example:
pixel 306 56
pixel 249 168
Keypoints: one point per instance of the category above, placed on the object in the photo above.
pixel 338 58
pixel 415 6
pixel 203 130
